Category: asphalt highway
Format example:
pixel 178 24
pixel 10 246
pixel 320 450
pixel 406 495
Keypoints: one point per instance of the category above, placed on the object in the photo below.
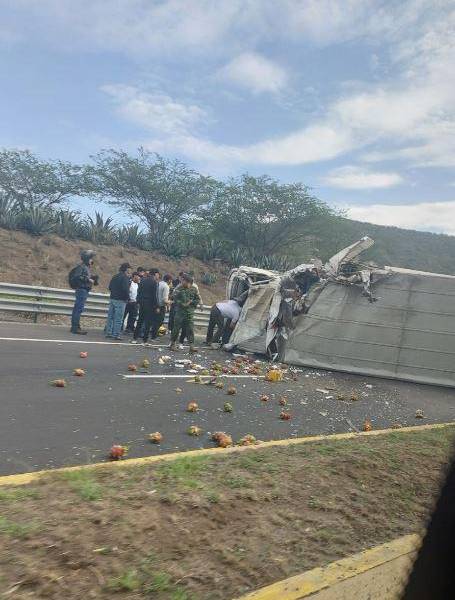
pixel 44 427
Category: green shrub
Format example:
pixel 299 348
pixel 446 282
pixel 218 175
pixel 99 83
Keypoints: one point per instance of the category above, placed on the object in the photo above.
pixel 9 214
pixel 100 230
pixel 37 221
pixel 209 278
pixel 69 225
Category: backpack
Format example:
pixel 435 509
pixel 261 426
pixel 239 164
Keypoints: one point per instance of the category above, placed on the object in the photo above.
pixel 74 277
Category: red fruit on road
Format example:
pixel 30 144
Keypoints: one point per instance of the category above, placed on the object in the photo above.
pixel 285 416
pixel 132 368
pixel 83 354
pixel 117 452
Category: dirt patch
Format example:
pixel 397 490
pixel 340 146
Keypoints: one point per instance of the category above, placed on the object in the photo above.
pixel 47 260
pixel 215 527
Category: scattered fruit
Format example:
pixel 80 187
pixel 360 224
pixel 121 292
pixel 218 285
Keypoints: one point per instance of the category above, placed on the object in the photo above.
pixel 132 367
pixel 205 372
pixel 283 401
pixel 178 390
pixel 156 437
pixel 228 407
pixel 117 452
pixel 341 397
pixel 197 379
pixel 419 414
pixel 354 397
pixel 83 354
pixel 79 372
pixel 58 383
pixel 264 398
pixel 192 407
pixel 234 371
pixel 367 425
pixel 247 440
pixel 285 416
pixel 397 426
pixel 194 430
pixel 222 439
pixel 231 390
pixel 145 363
pixel 274 375
pixel 219 385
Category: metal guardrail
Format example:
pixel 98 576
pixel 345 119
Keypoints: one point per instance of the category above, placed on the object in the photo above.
pixel 38 300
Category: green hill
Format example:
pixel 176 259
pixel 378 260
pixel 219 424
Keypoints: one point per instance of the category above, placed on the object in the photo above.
pixel 393 246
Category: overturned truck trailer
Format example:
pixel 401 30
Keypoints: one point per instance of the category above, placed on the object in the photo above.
pixel 387 322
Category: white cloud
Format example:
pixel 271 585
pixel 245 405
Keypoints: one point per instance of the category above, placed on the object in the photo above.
pixel 409 116
pixel 355 178
pixel 424 216
pixel 254 72
pixel 155 112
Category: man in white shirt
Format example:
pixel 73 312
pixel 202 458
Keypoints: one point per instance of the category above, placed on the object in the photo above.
pixel 131 306
pixel 163 303
pixel 230 310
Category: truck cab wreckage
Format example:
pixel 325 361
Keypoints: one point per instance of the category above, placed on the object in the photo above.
pixel 384 322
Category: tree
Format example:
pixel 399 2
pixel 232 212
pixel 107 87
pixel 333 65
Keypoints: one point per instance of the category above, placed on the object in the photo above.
pixel 34 183
pixel 161 192
pixel 261 214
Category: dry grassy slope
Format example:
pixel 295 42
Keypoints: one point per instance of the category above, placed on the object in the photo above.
pixel 46 261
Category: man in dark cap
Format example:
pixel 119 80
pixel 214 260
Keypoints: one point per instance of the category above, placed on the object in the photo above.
pixel 81 280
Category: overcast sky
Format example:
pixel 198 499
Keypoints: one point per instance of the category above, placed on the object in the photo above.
pixel 356 98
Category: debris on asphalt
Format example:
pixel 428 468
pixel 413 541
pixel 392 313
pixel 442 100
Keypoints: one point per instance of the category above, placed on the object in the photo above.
pixel 192 407
pixel 156 437
pixel 145 364
pixel 194 430
pixel 223 440
pixel 367 425
pixel 132 368
pixel 228 407
pixel 419 414
pixel 231 390
pixel 285 416
pixel 117 452
pixel 78 372
pixel 59 383
pixel 264 398
pixel 83 354
pixel 247 440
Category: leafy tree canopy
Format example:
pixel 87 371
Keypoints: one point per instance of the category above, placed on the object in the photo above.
pixel 161 192
pixel 32 182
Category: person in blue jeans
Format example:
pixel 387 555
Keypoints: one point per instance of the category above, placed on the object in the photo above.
pixel 120 293
pixel 81 280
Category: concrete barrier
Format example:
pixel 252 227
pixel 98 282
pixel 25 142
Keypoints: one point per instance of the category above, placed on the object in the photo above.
pixel 379 573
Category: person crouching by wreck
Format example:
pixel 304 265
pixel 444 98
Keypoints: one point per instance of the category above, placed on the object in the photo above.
pixel 228 310
pixel 186 299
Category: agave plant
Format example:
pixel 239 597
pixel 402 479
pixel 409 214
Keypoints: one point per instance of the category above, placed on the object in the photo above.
pixel 69 224
pixel 100 230
pixel 37 220
pixel 238 256
pixel 175 247
pixel 9 212
pixel 131 236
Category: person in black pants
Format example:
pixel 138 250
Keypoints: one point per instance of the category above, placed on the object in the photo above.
pixel 147 299
pixel 216 321
pixel 131 307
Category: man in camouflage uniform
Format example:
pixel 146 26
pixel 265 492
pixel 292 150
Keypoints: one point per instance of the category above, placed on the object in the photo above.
pixel 186 299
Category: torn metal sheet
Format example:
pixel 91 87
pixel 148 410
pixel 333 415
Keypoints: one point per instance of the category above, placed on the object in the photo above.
pixel 389 322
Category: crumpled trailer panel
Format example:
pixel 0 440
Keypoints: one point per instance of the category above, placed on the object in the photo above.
pixel 407 333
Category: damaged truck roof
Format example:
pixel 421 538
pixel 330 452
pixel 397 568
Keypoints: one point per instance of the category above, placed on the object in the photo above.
pixel 387 322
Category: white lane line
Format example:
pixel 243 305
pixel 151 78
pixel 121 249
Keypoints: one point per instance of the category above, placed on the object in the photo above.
pixel 189 376
pixel 81 341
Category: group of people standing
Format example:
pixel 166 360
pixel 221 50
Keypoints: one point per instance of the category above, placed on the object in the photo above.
pixel 140 298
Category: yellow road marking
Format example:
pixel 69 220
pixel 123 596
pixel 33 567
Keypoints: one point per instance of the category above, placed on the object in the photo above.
pixel 307 584
pixel 24 478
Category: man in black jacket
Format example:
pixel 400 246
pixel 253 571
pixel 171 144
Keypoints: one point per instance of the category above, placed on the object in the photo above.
pixel 147 298
pixel 120 292
pixel 81 280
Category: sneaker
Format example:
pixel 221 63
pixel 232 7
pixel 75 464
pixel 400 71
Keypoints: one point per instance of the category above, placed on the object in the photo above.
pixel 134 342
pixel 79 332
pixel 117 338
